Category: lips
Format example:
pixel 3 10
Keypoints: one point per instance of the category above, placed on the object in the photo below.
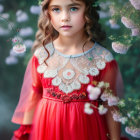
pixel 66 26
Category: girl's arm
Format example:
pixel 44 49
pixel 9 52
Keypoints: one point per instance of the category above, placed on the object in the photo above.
pixel 113 126
pixel 110 75
pixel 31 93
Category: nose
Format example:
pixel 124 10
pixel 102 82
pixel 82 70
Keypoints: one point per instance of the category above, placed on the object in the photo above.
pixel 65 16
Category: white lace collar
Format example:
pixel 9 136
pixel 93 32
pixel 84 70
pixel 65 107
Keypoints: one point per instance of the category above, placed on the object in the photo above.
pixel 68 72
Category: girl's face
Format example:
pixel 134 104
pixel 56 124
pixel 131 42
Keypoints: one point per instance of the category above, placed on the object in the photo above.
pixel 67 17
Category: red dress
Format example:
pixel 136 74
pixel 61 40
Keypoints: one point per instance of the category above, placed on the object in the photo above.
pixel 53 97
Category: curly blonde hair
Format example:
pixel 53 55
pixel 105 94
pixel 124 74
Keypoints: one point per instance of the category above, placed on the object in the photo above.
pixel 47 33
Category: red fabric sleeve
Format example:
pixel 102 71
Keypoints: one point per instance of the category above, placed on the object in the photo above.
pixel 31 93
pixel 112 75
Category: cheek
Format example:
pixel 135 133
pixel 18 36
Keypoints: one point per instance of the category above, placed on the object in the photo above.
pixel 53 20
pixel 80 19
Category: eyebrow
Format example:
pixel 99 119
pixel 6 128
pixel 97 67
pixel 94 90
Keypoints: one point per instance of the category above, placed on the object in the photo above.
pixel 73 4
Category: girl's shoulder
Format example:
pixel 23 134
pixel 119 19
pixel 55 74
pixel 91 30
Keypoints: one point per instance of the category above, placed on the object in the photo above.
pixel 42 52
pixel 101 52
pixel 42 49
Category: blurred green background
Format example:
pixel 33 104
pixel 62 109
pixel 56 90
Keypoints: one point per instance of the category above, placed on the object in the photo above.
pixel 12 66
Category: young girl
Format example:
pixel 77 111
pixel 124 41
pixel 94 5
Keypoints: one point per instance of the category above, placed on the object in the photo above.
pixel 67 58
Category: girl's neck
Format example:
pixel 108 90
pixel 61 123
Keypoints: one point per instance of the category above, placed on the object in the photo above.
pixel 68 43
pixel 72 46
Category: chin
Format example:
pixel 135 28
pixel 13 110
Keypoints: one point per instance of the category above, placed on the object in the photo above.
pixel 66 34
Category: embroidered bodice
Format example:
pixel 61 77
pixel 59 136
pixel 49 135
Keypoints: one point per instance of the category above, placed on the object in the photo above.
pixel 70 71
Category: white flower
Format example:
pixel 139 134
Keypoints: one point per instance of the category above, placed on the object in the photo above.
pixel 112 21
pixel 120 48
pixel 100 64
pixel 17 39
pixel 128 22
pixel 128 130
pixel 19 48
pixel 87 109
pixel 13 53
pixel 5 15
pixel 104 5
pixel 35 9
pixel 94 71
pixel 134 132
pixel 107 85
pixel 135 32
pixel 28 43
pixel 136 4
pixel 11 25
pixel 103 14
pixel 112 10
pixel 116 116
pixel 1 8
pixel 102 110
pixel 112 100
pixel 104 96
pixel 101 84
pixel 129 115
pixel 113 24
pixel 3 31
pixel 21 16
pixel 87 105
pixel 26 31
pixel 10 60
pixel 94 92
pixel 121 103
pixel 123 120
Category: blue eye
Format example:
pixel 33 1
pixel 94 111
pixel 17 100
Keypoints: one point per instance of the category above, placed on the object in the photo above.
pixel 56 9
pixel 73 9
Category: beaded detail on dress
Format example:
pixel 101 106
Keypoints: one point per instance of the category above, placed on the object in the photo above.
pixel 68 72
